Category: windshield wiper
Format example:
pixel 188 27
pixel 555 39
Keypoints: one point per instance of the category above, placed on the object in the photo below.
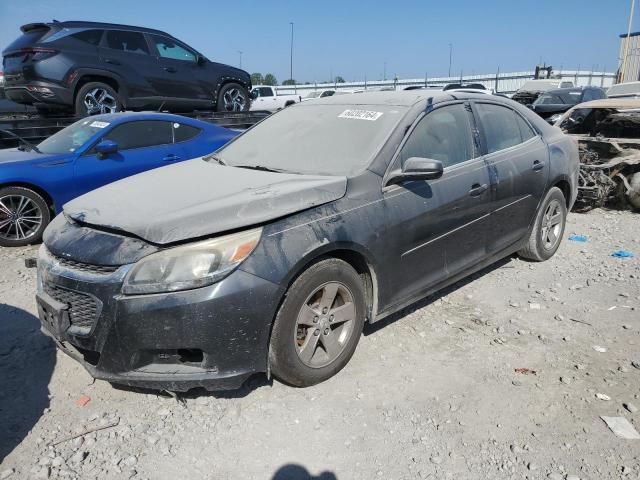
pixel 219 161
pixel 29 145
pixel 262 168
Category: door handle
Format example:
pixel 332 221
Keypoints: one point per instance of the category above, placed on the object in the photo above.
pixel 537 166
pixel 477 189
pixel 171 158
pixel 111 61
pixel 170 69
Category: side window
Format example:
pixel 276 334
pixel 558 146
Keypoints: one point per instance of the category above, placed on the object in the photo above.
pixel 265 92
pixel 167 48
pixel 91 37
pixel 526 132
pixel 146 133
pixel 589 95
pixel 500 129
pixel 130 42
pixel 444 134
pixel 182 133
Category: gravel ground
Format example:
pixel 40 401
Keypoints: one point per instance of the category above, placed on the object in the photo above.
pixel 431 393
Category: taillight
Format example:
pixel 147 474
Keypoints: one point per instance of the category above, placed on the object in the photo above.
pixel 36 54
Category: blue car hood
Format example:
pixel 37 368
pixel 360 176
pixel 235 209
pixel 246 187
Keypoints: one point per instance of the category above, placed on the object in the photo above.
pixel 13 155
pixel 198 198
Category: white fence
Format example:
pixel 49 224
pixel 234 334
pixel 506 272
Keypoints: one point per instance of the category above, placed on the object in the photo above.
pixel 500 82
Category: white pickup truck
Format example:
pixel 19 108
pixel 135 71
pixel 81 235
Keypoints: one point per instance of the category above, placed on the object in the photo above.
pixel 265 97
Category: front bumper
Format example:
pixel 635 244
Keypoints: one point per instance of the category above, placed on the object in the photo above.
pixel 213 337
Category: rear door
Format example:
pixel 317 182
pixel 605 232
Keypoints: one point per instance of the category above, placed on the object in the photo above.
pixel 438 227
pixel 126 54
pixel 518 162
pixel 142 145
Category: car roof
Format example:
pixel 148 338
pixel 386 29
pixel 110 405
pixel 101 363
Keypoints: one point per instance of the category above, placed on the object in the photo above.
pixel 123 117
pixel 622 103
pixel 404 98
pixel 115 26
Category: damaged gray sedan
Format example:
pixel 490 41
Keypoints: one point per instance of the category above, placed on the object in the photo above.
pixel 271 254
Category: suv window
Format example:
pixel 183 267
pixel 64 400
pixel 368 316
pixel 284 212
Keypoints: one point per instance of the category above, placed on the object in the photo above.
pixel 168 48
pixel 501 129
pixel 130 42
pixel 182 132
pixel 91 37
pixel 444 134
pixel 146 133
pixel 263 92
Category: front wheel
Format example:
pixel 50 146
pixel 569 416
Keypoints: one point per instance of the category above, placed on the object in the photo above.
pixel 319 324
pixel 233 97
pixel 548 229
pixel 23 217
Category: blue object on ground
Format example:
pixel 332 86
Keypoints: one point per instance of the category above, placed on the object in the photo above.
pixel 578 238
pixel 622 254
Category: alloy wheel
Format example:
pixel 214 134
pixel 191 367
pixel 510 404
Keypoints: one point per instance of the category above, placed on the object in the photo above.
pixel 234 100
pixel 20 217
pixel 552 225
pixel 325 324
pixel 98 101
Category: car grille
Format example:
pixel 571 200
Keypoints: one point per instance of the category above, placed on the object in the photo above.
pixel 83 309
pixel 85 267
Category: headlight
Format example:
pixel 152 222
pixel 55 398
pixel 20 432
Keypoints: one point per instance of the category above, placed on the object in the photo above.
pixel 191 266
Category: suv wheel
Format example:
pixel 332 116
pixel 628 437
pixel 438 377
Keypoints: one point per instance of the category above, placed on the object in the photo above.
pixel 318 325
pixel 548 229
pixel 95 98
pixel 23 217
pixel 233 98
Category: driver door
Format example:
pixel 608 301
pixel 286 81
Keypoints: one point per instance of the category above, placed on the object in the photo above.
pixel 142 145
pixel 438 227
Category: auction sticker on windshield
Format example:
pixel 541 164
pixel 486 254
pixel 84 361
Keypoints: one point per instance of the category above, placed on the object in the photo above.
pixel 361 115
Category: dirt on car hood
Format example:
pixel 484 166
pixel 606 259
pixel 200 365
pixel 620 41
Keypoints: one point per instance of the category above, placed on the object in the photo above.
pixel 198 198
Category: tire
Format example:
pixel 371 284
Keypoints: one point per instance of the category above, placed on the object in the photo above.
pixel 547 232
pixel 95 98
pixel 308 344
pixel 233 97
pixel 24 215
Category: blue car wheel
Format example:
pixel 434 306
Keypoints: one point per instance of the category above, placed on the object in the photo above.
pixel 23 217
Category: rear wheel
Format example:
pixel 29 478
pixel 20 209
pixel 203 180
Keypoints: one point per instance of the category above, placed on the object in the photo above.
pixel 233 97
pixel 23 217
pixel 95 98
pixel 318 325
pixel 548 229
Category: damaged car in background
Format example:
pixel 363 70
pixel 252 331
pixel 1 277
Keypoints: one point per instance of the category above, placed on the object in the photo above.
pixel 271 256
pixel 608 134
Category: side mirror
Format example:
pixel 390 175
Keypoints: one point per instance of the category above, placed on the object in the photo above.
pixel 200 60
pixel 106 148
pixel 416 168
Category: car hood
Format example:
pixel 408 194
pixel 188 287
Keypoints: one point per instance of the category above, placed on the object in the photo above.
pixel 198 198
pixel 13 155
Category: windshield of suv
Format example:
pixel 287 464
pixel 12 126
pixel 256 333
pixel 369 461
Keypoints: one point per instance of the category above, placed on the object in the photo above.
pixel 69 139
pixel 316 139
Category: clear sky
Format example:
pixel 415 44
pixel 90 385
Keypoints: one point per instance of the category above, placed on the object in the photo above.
pixel 355 39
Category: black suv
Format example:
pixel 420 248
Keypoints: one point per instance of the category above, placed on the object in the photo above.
pixel 92 67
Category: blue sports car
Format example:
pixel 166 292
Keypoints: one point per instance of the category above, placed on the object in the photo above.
pixel 36 181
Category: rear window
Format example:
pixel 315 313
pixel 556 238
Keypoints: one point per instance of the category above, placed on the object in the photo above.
pixel 28 39
pixel 91 37
pixel 500 126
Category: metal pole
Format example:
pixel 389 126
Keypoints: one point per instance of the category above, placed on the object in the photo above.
pixel 450 57
pixel 384 74
pixel 291 56
pixel 626 43
pixel 240 52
